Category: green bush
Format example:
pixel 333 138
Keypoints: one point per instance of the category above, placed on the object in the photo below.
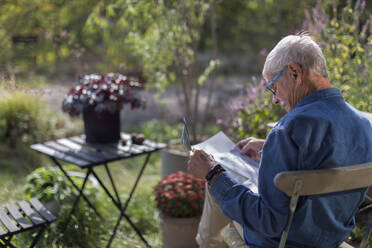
pixel 161 131
pixel 23 119
pixel 49 184
pixel 250 113
pixel 85 230
pixel 346 40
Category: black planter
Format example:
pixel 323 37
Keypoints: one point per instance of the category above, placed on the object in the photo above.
pixel 101 127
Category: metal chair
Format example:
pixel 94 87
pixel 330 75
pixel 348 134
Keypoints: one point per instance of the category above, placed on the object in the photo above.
pixel 21 217
pixel 315 182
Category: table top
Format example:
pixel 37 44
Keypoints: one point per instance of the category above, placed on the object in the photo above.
pixel 76 151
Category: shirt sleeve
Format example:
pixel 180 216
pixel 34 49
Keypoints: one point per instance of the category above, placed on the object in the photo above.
pixel 266 212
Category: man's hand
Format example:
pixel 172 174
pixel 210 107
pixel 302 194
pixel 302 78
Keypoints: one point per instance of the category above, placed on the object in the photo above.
pixel 250 147
pixel 200 163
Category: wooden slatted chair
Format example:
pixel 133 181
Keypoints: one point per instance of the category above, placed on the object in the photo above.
pixel 21 217
pixel 312 182
pixel 316 182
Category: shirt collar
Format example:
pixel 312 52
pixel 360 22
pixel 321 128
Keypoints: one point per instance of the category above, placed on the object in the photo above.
pixel 319 95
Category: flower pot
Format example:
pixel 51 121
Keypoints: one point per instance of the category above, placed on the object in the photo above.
pixel 103 127
pixel 179 232
pixel 173 161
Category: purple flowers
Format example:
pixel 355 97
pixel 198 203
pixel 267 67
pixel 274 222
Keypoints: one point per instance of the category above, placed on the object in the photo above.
pixel 250 112
pixel 107 92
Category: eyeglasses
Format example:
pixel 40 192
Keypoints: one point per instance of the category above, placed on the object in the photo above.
pixel 268 87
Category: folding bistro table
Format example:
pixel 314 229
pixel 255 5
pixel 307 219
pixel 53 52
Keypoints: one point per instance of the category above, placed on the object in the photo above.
pixel 76 151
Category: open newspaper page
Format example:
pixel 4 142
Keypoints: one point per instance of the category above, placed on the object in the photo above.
pixel 227 154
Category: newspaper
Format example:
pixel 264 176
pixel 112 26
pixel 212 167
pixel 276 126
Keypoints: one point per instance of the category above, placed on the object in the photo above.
pixel 227 154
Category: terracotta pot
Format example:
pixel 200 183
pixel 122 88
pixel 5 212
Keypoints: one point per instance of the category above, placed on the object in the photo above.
pixel 173 161
pixel 179 232
pixel 101 127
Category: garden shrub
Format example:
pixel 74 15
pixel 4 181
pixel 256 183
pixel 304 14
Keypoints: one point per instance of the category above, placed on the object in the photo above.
pixel 85 230
pixel 250 113
pixel 23 119
pixel 49 184
pixel 346 40
pixel 161 131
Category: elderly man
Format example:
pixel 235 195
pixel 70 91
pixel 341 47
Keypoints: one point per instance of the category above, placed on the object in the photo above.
pixel 319 131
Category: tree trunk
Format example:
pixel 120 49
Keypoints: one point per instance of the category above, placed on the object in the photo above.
pixel 212 83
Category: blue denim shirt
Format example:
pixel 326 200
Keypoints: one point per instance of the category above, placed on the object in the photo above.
pixel 321 131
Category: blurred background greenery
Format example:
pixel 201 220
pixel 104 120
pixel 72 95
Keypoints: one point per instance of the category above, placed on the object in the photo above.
pixel 204 56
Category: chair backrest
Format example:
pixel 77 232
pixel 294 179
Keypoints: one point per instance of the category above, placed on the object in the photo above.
pixel 315 182
pixel 324 181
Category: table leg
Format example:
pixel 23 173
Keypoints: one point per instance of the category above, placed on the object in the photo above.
pixel 38 236
pixel 76 201
pixel 116 203
pixel 77 188
pixel 122 210
pixel 113 184
pixel 119 205
pixel 137 180
pixel 132 225
pixel 7 242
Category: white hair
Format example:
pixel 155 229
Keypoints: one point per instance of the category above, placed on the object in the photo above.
pixel 300 49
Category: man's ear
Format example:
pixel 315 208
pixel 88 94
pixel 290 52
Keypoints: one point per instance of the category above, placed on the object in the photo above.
pixel 295 71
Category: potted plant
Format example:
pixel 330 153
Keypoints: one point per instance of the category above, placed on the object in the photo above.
pixel 180 197
pixel 174 159
pixel 100 98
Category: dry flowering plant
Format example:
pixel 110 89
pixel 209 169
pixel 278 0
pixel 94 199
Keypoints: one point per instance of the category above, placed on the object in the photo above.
pixel 180 195
pixel 107 92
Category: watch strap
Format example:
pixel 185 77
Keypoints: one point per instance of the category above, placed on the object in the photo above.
pixel 215 169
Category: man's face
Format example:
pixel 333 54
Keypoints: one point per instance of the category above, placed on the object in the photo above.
pixel 288 87
pixel 279 88
pixel 282 94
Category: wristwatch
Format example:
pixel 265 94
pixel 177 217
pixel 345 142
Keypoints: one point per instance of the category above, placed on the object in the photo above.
pixel 217 169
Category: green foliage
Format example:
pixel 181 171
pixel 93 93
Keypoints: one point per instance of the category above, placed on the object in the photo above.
pixel 142 208
pixel 78 31
pixel 85 229
pixel 163 36
pixel 362 221
pixel 250 113
pixel 161 131
pixel 49 185
pixel 246 27
pixel 346 41
pixel 56 25
pixel 23 119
